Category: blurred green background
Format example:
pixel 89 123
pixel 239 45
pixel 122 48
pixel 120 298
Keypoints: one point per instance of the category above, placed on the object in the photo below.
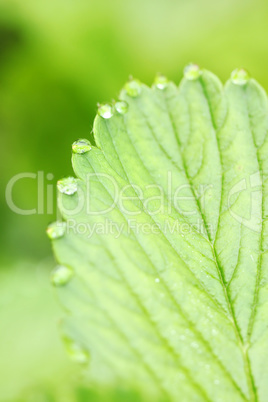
pixel 58 58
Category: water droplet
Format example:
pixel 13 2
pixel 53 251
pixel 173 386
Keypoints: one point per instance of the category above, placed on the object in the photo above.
pixel 56 230
pixel 157 280
pixel 192 72
pixel 240 76
pixel 105 111
pixel 76 351
pixel 133 88
pixel 121 107
pixel 61 275
pixel 67 186
pixel 161 81
pixel 81 146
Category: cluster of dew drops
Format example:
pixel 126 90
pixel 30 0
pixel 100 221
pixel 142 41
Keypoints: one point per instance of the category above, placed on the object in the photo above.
pixel 69 185
pixel 133 88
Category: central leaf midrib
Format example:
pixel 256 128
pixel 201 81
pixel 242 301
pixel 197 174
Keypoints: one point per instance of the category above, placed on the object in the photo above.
pixel 249 376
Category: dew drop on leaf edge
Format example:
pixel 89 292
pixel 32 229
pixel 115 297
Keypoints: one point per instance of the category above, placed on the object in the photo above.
pixel 76 351
pixel 105 111
pixel 61 275
pixel 192 72
pixel 81 146
pixel 121 107
pixel 56 230
pixel 160 81
pixel 133 88
pixel 67 186
pixel 240 76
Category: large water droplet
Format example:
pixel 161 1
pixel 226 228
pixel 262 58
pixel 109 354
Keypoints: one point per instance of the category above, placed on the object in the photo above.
pixel 105 111
pixel 121 107
pixel 133 88
pixel 67 186
pixel 192 72
pixel 240 76
pixel 61 275
pixel 161 81
pixel 81 146
pixel 56 230
pixel 76 351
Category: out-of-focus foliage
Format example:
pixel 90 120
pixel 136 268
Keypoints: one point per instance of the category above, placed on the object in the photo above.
pixel 30 348
pixel 76 393
pixel 33 365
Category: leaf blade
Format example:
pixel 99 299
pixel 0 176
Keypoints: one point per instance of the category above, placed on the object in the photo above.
pixel 184 289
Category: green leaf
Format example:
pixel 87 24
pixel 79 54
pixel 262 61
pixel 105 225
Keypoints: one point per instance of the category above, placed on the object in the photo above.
pixel 165 241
